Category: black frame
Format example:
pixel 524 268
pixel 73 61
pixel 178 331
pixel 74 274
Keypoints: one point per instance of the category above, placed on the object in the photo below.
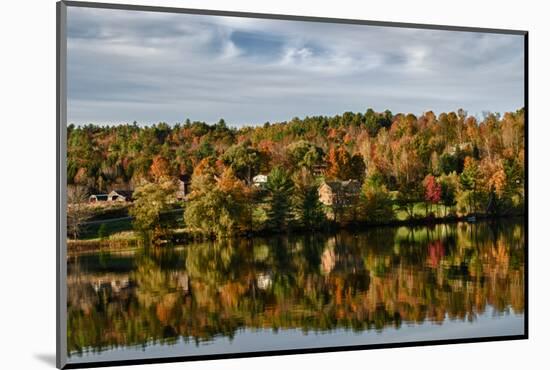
pixel 61 117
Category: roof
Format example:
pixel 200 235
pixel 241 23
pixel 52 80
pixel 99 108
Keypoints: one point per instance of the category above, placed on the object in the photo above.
pixel 259 178
pixel 100 196
pixel 124 193
pixel 347 186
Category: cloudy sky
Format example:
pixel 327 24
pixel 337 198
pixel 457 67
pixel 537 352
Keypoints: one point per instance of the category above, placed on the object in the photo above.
pixel 126 66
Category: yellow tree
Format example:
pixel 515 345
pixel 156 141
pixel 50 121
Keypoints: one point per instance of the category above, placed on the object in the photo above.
pixel 160 168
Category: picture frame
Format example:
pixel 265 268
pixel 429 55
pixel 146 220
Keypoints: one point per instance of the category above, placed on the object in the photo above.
pixel 63 102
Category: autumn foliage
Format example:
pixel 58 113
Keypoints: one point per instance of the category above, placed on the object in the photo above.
pixel 452 160
pixel 432 190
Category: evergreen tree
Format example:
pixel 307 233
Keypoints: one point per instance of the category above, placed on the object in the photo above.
pixel 308 208
pixel 280 189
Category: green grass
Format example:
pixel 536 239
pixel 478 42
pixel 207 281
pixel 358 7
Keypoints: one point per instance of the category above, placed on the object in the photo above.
pixel 111 227
pixel 90 232
pixel 419 211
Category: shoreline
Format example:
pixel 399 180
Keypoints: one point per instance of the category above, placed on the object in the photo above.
pixel 184 237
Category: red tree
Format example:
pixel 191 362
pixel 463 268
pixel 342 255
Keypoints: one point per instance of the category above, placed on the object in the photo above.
pixel 432 193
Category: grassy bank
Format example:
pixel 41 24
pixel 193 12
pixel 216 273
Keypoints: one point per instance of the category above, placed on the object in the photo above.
pixel 120 235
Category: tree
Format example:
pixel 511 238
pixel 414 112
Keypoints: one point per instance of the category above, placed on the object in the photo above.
pixel 468 181
pixel 243 159
pixel 408 169
pixel 372 122
pixel 338 162
pixel 304 154
pixel 150 200
pixel 449 187
pixel 452 162
pixel 343 166
pixel 217 206
pixel 308 208
pixel 515 179
pixel 494 174
pixel 432 190
pixel 407 196
pixel 495 183
pixel 78 210
pixel 280 189
pixel 160 168
pixel 357 167
pixel 375 202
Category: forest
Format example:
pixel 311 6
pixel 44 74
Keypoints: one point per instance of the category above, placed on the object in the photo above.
pixel 406 168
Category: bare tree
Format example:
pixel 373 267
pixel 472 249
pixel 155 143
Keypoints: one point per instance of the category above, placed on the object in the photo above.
pixel 77 209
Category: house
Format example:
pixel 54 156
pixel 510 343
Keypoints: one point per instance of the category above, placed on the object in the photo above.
pixel 98 198
pixel 259 180
pixel 120 196
pixel 339 193
pixel 115 195
pixel 184 183
pixel 264 281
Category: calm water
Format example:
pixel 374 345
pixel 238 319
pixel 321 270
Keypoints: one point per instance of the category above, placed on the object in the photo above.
pixel 383 285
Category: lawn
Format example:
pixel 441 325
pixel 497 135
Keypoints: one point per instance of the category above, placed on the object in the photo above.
pixel 419 211
pixel 110 227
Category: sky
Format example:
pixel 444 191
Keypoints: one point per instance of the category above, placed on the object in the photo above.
pixel 125 66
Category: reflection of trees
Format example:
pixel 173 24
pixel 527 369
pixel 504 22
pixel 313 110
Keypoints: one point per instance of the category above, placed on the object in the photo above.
pixel 365 281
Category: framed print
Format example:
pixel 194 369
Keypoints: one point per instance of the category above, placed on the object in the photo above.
pixel 237 184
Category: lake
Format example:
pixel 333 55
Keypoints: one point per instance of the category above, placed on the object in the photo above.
pixel 381 285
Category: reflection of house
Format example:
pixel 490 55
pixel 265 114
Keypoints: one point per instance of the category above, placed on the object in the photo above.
pixel 339 193
pixel 328 260
pixel 264 281
pixel 260 180
pixel 98 198
pixel 120 196
pixel 182 281
pixel 184 182
pixel 113 283
pixel 118 285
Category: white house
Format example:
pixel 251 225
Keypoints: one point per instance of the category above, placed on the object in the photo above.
pixel 98 198
pixel 259 180
pixel 120 196
pixel 264 281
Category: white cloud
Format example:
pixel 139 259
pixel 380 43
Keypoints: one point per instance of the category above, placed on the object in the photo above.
pixel 150 67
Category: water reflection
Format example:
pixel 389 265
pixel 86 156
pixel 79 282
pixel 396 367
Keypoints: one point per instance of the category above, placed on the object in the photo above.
pixel 369 281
